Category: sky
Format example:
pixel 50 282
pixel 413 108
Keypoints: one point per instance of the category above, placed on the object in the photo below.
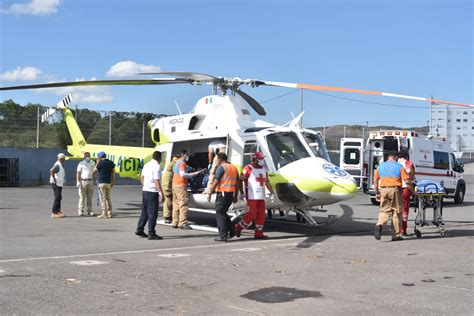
pixel 417 47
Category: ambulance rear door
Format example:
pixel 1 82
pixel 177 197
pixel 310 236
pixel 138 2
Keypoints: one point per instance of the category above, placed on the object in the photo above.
pixel 351 158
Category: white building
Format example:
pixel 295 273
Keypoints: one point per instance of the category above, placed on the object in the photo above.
pixel 456 124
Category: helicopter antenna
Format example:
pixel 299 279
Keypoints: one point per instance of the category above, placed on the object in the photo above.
pixel 177 106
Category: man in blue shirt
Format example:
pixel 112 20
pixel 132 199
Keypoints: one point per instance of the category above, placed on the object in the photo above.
pixel 106 170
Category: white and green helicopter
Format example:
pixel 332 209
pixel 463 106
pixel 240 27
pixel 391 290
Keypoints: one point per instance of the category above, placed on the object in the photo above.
pixel 299 168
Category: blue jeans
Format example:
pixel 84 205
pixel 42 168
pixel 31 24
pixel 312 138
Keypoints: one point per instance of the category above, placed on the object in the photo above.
pixel 149 212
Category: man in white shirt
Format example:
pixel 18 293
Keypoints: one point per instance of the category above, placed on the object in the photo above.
pixel 85 184
pixel 151 192
pixel 57 180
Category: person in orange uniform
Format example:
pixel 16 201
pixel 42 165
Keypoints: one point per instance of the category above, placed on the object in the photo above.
pixel 406 189
pixel 255 178
pixel 180 192
pixel 225 184
pixel 391 175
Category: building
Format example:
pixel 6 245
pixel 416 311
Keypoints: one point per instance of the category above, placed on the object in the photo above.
pixel 457 125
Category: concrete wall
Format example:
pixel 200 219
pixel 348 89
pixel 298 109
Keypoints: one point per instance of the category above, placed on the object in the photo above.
pixel 34 165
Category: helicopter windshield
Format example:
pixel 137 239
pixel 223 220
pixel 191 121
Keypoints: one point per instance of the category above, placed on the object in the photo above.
pixel 285 147
pixel 317 145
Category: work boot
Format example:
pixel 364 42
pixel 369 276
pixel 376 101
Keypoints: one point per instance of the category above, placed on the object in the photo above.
pixel 141 234
pixel 154 237
pixel 378 232
pixel 55 215
pixel 238 230
pixel 109 214
pixel 259 235
pixel 102 215
pixel 61 214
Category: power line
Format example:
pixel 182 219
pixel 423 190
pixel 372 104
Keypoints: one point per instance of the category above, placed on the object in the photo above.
pixel 280 96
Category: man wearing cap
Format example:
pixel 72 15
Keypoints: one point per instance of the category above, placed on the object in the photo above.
pixel 57 180
pixel 85 184
pixel 391 175
pixel 106 170
pixel 255 178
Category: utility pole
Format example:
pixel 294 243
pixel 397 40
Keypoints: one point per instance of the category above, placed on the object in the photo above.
pixel 38 127
pixel 110 128
pixel 143 134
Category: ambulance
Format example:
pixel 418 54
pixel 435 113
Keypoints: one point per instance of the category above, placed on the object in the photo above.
pixel 432 157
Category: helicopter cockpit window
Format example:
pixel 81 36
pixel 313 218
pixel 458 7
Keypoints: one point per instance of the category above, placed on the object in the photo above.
pixel 285 148
pixel 156 135
pixel 316 144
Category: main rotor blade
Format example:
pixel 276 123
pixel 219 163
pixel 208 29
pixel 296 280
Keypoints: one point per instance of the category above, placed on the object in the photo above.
pixel 348 90
pixel 252 102
pixel 99 83
pixel 187 75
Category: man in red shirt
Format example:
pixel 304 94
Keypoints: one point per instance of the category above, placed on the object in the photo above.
pixel 255 178
pixel 406 189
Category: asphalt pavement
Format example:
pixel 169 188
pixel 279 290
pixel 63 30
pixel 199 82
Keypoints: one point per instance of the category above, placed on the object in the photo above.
pixel 85 265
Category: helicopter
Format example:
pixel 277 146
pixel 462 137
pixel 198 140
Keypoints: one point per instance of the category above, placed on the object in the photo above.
pixel 300 171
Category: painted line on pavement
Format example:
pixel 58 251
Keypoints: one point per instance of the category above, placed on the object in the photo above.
pixel 229 244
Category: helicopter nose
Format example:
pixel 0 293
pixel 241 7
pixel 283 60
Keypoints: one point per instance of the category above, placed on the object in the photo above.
pixel 319 179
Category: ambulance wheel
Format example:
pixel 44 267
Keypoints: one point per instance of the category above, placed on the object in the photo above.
pixel 374 201
pixel 443 232
pixel 459 196
pixel 417 233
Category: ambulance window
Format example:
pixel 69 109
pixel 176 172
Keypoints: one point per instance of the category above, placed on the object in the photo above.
pixel 441 160
pixel 250 147
pixel 351 156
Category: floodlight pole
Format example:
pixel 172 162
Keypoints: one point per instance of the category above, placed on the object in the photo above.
pixel 37 127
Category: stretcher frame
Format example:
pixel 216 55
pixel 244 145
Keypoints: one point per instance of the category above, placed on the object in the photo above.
pixel 430 197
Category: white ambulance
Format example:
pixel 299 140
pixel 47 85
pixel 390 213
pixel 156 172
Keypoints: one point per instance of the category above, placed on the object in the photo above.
pixel 432 157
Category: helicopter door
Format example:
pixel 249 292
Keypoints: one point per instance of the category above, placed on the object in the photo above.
pixel 351 158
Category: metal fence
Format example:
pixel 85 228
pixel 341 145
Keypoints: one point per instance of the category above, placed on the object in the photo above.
pixel 22 127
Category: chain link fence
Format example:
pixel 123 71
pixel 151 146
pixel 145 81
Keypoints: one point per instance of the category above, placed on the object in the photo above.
pixel 21 126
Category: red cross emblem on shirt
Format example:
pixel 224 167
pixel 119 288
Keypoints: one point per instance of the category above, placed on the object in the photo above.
pixel 261 179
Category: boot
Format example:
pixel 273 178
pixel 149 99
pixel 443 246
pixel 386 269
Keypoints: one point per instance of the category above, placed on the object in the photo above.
pixel 259 235
pixel 238 230
pixel 103 215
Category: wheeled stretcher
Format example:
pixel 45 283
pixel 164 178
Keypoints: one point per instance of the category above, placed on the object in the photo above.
pixel 429 194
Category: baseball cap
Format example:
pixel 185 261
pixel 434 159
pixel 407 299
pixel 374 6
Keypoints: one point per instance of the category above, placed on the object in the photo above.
pixel 102 154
